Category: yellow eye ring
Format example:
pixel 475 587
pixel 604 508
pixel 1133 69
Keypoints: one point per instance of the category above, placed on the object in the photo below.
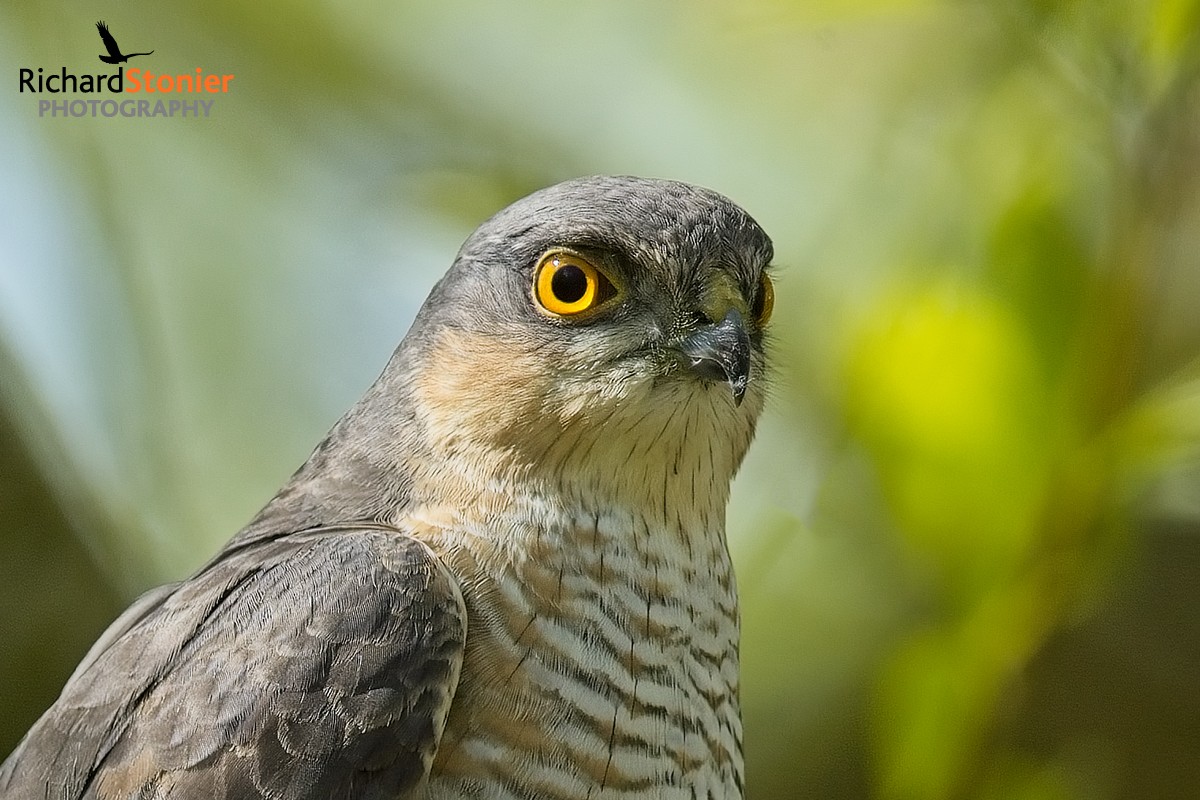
pixel 566 284
pixel 764 301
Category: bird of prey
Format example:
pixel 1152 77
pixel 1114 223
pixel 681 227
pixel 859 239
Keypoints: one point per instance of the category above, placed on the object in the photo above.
pixel 503 574
pixel 115 56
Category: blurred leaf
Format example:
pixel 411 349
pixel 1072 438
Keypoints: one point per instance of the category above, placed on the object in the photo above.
pixel 942 387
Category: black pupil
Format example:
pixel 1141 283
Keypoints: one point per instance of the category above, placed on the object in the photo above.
pixel 569 283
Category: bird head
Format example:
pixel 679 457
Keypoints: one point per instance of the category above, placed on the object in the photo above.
pixel 605 326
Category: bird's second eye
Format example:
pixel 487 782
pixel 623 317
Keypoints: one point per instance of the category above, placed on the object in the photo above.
pixel 764 301
pixel 567 284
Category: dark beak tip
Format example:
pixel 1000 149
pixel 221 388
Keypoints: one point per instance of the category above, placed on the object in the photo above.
pixel 738 389
pixel 720 353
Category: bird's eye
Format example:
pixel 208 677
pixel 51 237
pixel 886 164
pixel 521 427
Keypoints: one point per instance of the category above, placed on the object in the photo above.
pixel 566 284
pixel 764 300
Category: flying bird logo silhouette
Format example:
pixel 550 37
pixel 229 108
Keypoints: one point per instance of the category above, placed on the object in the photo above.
pixel 115 56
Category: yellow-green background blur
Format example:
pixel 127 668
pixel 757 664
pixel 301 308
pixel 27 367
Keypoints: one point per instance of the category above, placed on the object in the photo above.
pixel 968 537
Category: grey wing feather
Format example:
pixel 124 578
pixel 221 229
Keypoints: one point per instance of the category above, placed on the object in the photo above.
pixel 313 665
pixel 137 611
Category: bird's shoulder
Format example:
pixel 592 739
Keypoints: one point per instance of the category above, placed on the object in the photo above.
pixel 312 664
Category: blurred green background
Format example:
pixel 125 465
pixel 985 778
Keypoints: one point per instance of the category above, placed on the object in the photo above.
pixel 968 538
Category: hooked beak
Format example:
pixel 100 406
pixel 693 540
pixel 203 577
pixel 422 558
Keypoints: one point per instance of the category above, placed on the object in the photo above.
pixel 720 352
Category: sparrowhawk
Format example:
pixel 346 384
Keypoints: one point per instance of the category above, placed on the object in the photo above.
pixel 503 574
